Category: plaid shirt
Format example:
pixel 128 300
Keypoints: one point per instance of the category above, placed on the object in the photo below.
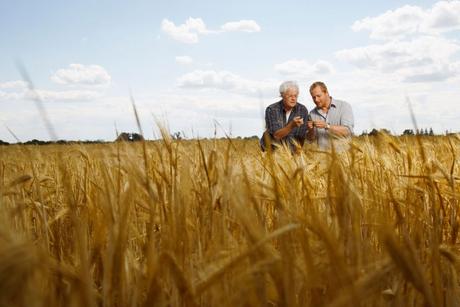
pixel 275 119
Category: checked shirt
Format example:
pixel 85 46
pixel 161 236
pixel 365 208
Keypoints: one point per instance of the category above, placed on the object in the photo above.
pixel 275 119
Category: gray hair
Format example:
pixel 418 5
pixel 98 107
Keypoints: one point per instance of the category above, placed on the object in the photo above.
pixel 287 85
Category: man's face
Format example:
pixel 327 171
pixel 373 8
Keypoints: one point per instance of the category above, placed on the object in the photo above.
pixel 290 98
pixel 320 98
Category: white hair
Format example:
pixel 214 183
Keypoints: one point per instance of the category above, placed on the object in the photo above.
pixel 287 85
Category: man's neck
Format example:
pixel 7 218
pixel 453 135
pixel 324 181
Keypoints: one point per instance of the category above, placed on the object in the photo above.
pixel 326 108
pixel 286 108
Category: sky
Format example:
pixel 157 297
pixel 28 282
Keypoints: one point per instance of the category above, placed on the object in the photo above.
pixel 206 68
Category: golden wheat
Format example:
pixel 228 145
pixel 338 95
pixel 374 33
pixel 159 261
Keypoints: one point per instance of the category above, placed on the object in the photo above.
pixel 218 223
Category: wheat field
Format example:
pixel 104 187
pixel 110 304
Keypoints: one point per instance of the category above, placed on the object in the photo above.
pixel 218 223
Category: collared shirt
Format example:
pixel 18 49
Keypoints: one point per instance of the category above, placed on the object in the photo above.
pixel 275 119
pixel 339 114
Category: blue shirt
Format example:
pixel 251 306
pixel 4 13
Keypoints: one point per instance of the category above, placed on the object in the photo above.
pixel 339 114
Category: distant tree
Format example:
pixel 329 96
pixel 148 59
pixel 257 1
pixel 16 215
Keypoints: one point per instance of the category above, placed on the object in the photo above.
pixel 408 132
pixel 35 142
pixel 176 135
pixel 99 141
pixel 374 132
pixel 4 143
pixel 129 137
pixel 431 131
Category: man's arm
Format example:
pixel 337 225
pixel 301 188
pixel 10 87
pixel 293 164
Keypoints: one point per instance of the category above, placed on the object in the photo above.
pixel 346 123
pixel 347 120
pixel 281 133
pixel 272 121
pixel 275 128
pixel 338 130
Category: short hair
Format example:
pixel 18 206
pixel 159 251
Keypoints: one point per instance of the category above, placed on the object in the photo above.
pixel 287 85
pixel 320 84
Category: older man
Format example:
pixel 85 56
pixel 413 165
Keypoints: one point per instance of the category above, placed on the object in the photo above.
pixel 285 120
pixel 331 117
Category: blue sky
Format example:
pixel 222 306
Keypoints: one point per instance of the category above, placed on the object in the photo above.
pixel 193 63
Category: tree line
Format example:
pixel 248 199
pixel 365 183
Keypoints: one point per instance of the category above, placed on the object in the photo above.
pixel 135 137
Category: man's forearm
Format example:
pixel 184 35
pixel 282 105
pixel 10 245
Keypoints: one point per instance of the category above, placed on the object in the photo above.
pixel 281 133
pixel 339 130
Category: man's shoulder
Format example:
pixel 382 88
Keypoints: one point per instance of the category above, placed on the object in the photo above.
pixel 301 106
pixel 275 105
pixel 339 102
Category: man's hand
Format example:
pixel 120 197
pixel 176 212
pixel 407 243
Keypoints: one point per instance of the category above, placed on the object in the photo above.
pixel 281 133
pixel 319 124
pixel 310 130
pixel 297 121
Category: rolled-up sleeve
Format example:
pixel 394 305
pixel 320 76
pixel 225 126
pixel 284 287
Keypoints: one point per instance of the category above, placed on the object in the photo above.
pixel 273 121
pixel 347 118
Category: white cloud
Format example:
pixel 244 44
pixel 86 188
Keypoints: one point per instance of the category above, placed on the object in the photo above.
pixel 302 68
pixel 6 96
pixel 76 95
pixel 433 73
pixel 224 105
pixel 227 81
pixel 47 95
pixel 402 21
pixel 408 20
pixel 190 31
pixel 14 85
pixel 79 74
pixel 444 16
pixel 184 60
pixel 414 48
pixel 242 25
pixel 187 32
pixel 423 59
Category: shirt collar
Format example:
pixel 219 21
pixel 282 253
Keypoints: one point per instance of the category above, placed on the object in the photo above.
pixel 333 104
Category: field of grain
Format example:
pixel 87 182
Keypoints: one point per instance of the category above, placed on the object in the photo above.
pixel 218 223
